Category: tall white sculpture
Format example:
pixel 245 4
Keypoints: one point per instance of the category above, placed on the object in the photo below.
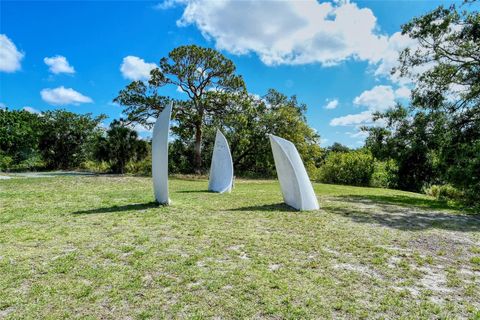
pixel 160 155
pixel 221 169
pixel 296 187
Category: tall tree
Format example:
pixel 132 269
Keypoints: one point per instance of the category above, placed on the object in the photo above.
pixel 249 121
pixel 203 74
pixel 442 125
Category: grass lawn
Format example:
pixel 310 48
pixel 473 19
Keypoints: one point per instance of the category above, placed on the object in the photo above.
pixel 95 247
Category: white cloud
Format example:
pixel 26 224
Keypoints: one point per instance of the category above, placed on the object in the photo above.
pixel 3 106
pixel 396 43
pixel 403 93
pixel 31 110
pixel 364 117
pixel 299 32
pixel 63 96
pixel 332 104
pixel 167 4
pixel 357 134
pixel 58 64
pixel 379 98
pixel 135 68
pixel 10 57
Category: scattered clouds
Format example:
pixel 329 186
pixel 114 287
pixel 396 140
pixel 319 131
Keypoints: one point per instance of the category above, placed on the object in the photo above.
pixel 58 64
pixel 31 110
pixel 332 104
pixel 63 96
pixel 379 98
pixel 10 57
pixel 299 32
pixel 403 93
pixel 135 68
pixel 357 134
pixel 167 4
pixel 352 119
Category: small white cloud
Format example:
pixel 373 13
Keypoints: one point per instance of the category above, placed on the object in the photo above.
pixel 332 104
pixel 403 93
pixel 3 106
pixel 323 141
pixel 357 134
pixel 10 57
pixel 58 64
pixel 364 117
pixel 135 68
pixel 379 98
pixel 63 96
pixel 168 4
pixel 31 110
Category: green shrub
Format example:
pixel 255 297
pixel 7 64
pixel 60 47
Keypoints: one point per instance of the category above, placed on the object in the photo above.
pixel 5 162
pixel 444 192
pixel 95 166
pixel 142 167
pixel 384 174
pixel 350 168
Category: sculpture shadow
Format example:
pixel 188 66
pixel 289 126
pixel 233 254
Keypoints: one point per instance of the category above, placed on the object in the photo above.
pixel 194 191
pixel 267 207
pixel 406 219
pixel 128 207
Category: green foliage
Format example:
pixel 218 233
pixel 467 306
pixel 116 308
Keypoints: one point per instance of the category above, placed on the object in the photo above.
pixel 66 136
pixel 409 140
pixel 385 174
pixel 350 168
pixel 203 74
pixel 120 146
pixel 338 147
pixel 444 192
pixel 19 137
pixel 247 125
pixel 140 167
pixel 437 140
pixel 95 166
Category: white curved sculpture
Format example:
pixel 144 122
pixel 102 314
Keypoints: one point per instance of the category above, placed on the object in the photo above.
pixel 221 169
pixel 160 155
pixel 296 187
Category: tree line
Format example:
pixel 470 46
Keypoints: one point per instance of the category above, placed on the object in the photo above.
pixel 430 145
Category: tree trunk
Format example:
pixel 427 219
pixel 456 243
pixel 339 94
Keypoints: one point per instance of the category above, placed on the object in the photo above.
pixel 198 148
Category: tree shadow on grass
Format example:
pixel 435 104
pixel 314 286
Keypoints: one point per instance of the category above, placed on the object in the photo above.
pixel 409 201
pixel 128 207
pixel 266 207
pixel 405 218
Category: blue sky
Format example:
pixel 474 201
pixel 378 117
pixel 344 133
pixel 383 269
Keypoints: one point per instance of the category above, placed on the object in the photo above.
pixel 333 56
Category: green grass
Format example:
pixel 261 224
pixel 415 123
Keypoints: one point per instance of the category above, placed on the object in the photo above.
pixel 99 248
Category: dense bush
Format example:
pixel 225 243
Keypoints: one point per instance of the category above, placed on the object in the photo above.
pixel 385 174
pixel 142 167
pixel 119 146
pixel 350 168
pixel 444 192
